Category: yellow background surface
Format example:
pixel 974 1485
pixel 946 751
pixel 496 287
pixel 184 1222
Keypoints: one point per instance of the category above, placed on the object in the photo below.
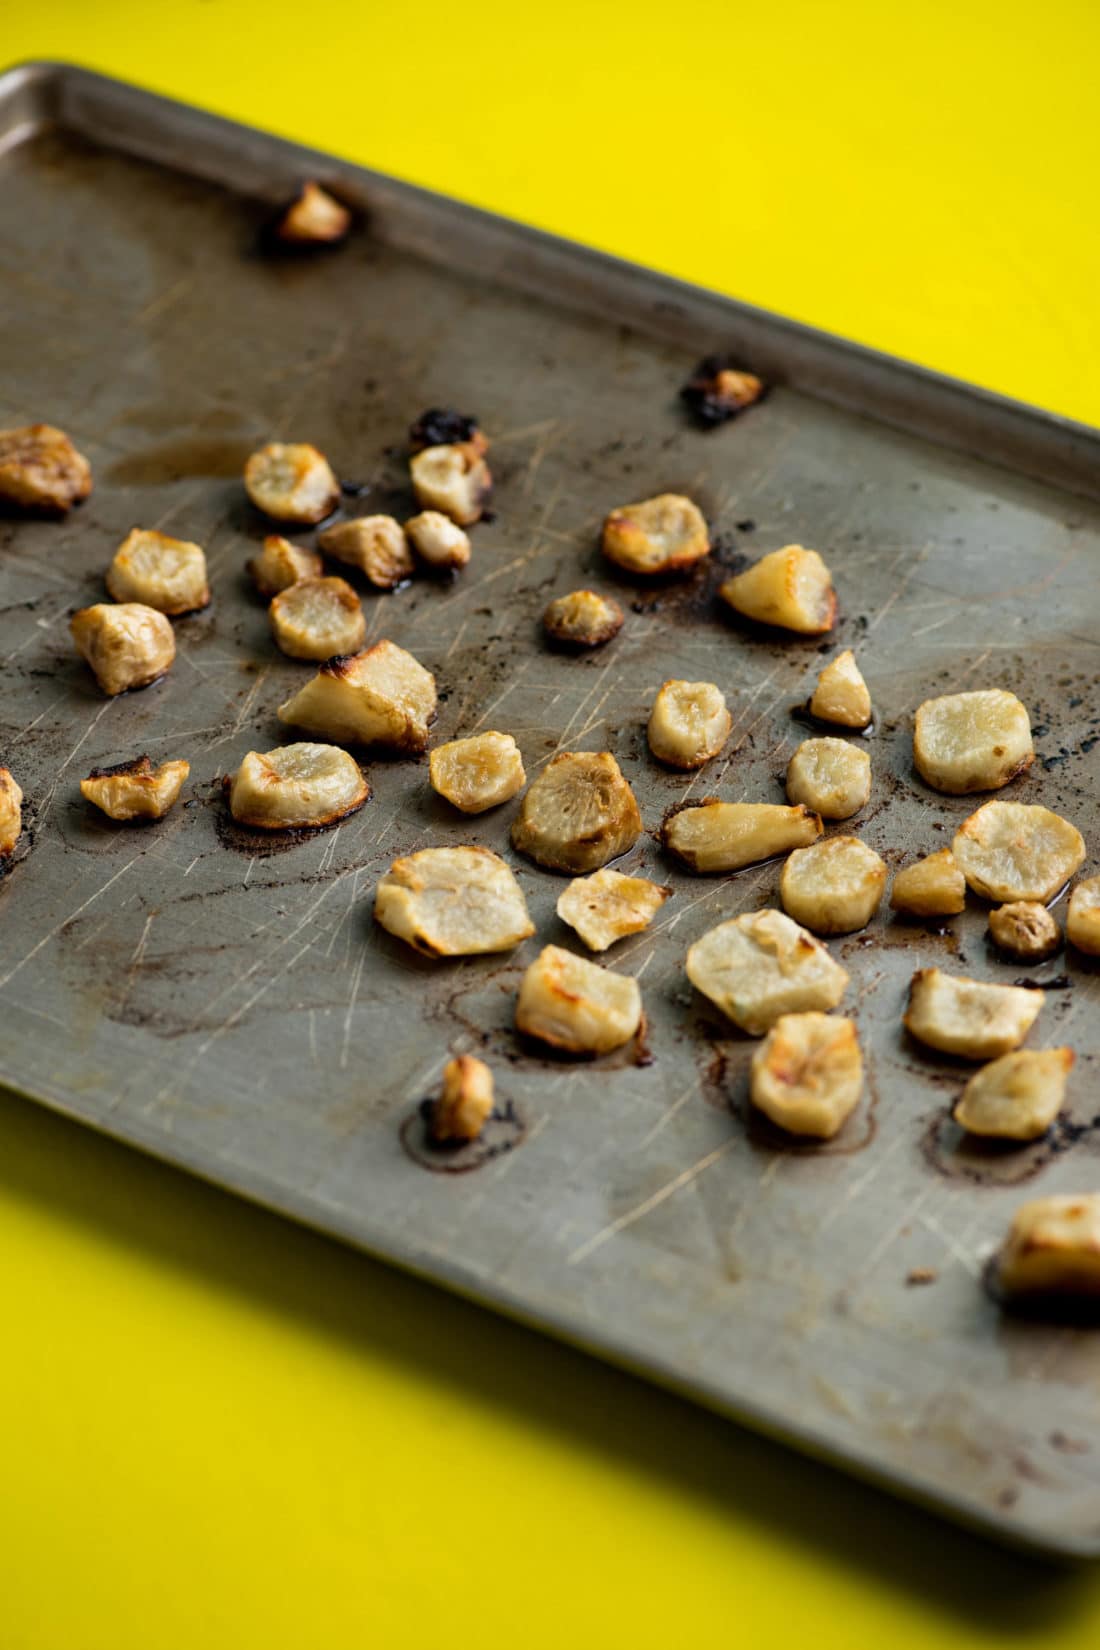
pixel 221 1431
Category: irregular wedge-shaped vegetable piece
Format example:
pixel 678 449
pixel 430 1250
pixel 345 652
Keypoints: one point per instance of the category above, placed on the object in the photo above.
pixel 11 813
pixel 969 1017
pixel 576 1005
pixel 656 535
pixel 454 479
pixel 807 1074
pixel 1053 1248
pixel 579 813
pixel 760 966
pixel 376 545
pixel 127 644
pixel 1017 851
pixel 135 790
pixel 689 723
pixel 317 619
pixel 465 1102
pixel 1016 1097
pixel 296 787
pixel 438 540
pixel 314 218
pixel 381 697
pixel 719 389
pixel 1083 916
pixel 291 481
pixel 453 902
pixel 584 618
pixel 972 741
pixel 281 564
pixel 830 776
pixel 1025 930
pixel 477 773
pixel 841 694
pixel 165 573
pixel 931 887
pixel 604 907
pixel 791 588
pixel 834 886
pixel 41 470
pixel 723 836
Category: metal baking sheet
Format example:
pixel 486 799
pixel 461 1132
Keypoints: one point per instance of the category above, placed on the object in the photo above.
pixel 229 1005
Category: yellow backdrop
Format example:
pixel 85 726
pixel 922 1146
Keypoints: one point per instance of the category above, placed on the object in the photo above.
pixel 220 1431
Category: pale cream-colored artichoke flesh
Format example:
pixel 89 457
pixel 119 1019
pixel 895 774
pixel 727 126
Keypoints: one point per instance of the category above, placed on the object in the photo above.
pixel 291 481
pixel 931 887
pixel 689 723
pixel 437 540
pixel 576 1005
pixel 479 772
pixel 381 697
pixel 1025 930
pixel 453 902
pixel 11 812
pixel 1083 916
pixel 281 564
pixel 1016 1097
pixel 791 588
pixel 465 1101
pixel 454 479
pixel 165 573
pixel 607 906
pixel 314 218
pixel 724 836
pixel 136 790
pixel 317 619
pixel 578 813
pixel 296 787
pixel 972 741
pixel 40 469
pixel 762 965
pixel 831 777
pixel 807 1074
pixel 834 886
pixel 583 618
pixel 126 644
pixel 376 545
pixel 1053 1247
pixel 841 694
pixel 970 1018
pixel 1017 851
pixel 656 535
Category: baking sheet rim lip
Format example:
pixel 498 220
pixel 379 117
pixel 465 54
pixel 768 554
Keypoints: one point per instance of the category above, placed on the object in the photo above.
pixel 50 71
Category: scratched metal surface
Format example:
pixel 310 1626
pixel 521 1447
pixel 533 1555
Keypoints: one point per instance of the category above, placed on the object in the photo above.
pixel 232 1008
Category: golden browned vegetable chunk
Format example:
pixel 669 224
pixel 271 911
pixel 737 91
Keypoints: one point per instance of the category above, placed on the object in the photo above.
pixel 437 540
pixel 453 902
pixel 724 836
pixel 376 545
pixel 841 694
pixel 165 573
pixel 477 773
pixel 1017 851
pixel 830 776
pixel 41 470
pixel 807 1074
pixel 127 645
pixel 291 482
pixel 579 813
pixel 313 219
pixel 833 887
pixel 689 724
pixel 317 619
pixel 135 790
pixel 281 564
pixel 969 1017
pixel 1025 930
pixel 931 887
pixel 972 741
pixel 466 1101
pixel 604 907
pixel 657 535
pixel 296 787
pixel 762 965
pixel 1053 1247
pixel 791 588
pixel 584 618
pixel 1083 916
pixel 11 813
pixel 576 1005
pixel 718 389
pixel 1016 1097
pixel 381 697
pixel 454 479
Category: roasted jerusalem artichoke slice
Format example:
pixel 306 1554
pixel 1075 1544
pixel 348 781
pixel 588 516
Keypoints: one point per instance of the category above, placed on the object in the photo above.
pixel 1017 851
pixel 454 479
pixel 381 697
pixel 453 902
pixel 165 573
pixel 579 813
pixel 931 887
pixel 1016 1097
pixel 291 482
pixel 723 836
pixel 968 1017
pixel 718 389
pixel 583 618
pixel 762 965
pixel 465 1101
pixel 1052 1249
pixel 437 540
pixel 296 787
pixel 127 644
pixel 317 619
pixel 841 695
pixel 833 887
pixel 281 564
pixel 807 1074
pixel 135 790
pixel 376 545
pixel 606 906
pixel 41 470
pixel 972 741
pixel 313 218
pixel 477 773
pixel 1083 916
pixel 689 724
pixel 11 813
pixel 791 588
pixel 576 1005
pixel 657 535
pixel 830 776
pixel 1024 930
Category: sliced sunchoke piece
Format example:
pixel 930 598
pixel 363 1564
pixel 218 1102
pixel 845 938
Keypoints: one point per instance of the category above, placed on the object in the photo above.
pixel 1017 851
pixel 723 836
pixel 1083 916
pixel 313 218
pixel 296 787
pixel 841 694
pixel 689 723
pixel 438 540
pixel 583 618
pixel 1016 1097
pixel 281 564
pixel 11 813
pixel 576 1005
pixel 291 481
pixel 932 887
pixel 41 470
pixel 833 887
pixel 454 479
pixel 719 389
pixel 376 545
pixel 135 790
pixel 453 902
pixel 381 697
pixel 477 773
pixel 165 573
pixel 969 1017
pixel 791 588
pixel 465 1101
pixel 606 906
pixel 807 1074
pixel 317 619
pixel 762 965
pixel 127 644
pixel 972 741
pixel 656 535
pixel 1025 930
pixel 579 813
pixel 830 776
pixel 1053 1248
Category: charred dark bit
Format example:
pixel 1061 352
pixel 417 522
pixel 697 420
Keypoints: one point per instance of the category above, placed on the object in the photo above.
pixel 719 389
pixel 1060 982
pixel 441 427
pixel 140 765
